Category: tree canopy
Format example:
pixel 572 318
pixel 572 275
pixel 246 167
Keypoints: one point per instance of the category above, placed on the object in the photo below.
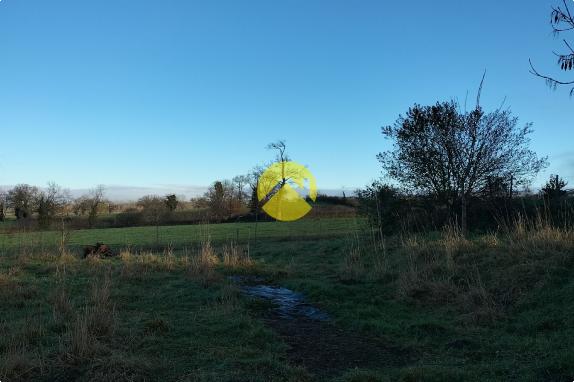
pixel 454 154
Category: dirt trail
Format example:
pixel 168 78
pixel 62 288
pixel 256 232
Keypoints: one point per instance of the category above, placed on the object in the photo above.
pixel 315 342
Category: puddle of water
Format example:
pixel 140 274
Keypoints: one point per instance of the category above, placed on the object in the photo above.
pixel 288 304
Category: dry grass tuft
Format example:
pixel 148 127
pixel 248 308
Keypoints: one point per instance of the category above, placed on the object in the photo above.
pixel 169 259
pixel 95 321
pixel 549 238
pixel 235 256
pixel 138 266
pixel 539 235
pixel 126 255
pixel 202 265
pixel 78 342
pixel 61 304
pixel 207 254
pixel 489 240
pixel 65 257
pixel 454 242
pixel 103 312
pixel 130 268
pixel 353 267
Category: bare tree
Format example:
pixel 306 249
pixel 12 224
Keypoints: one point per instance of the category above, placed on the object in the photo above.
pixel 281 157
pixel 240 182
pixel 562 21
pixel 281 149
pixel 90 203
pixel 51 203
pixel 273 181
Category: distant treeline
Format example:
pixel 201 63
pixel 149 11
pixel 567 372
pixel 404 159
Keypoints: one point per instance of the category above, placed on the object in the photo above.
pixel 30 208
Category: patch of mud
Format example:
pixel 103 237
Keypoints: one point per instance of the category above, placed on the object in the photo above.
pixel 315 342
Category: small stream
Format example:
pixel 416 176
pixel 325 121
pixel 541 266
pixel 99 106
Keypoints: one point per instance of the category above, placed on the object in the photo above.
pixel 288 303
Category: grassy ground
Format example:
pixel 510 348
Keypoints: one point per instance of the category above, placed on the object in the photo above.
pixel 494 307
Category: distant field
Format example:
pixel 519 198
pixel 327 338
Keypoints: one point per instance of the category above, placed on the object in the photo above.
pixel 181 235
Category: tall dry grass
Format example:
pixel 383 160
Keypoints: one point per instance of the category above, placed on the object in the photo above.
pixel 366 258
pixel 533 236
pixel 235 256
pixel 454 242
pixel 94 321
pixel 140 265
pixel 482 275
pixel 353 267
pixel 201 266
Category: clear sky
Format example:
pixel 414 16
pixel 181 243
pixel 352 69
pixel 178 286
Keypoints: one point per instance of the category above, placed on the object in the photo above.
pixel 181 92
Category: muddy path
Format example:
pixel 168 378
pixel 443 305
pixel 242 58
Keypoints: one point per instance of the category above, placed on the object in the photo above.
pixel 315 341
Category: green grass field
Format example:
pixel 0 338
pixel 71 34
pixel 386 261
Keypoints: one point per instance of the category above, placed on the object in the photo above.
pixel 436 307
pixel 185 235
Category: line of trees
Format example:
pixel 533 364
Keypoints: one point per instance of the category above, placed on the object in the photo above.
pixel 30 204
pixel 25 200
pixel 223 200
pixel 51 203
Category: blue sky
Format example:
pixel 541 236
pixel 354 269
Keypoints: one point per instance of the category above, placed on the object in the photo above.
pixel 155 93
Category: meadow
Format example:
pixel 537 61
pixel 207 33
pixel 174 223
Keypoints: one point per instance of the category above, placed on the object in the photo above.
pixel 431 306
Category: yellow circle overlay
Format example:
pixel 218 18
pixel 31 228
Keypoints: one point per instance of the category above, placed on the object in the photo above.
pixel 280 200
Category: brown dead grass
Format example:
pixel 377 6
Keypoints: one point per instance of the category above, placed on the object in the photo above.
pixel 235 256
pixel 202 265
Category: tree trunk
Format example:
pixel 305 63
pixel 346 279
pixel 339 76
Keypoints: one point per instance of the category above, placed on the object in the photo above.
pixel 511 186
pixel 463 207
